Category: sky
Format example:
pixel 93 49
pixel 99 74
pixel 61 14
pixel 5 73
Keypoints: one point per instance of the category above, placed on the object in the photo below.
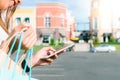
pixel 80 8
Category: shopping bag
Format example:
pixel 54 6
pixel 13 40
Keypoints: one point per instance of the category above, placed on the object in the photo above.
pixel 9 69
pixel 6 74
pixel 9 64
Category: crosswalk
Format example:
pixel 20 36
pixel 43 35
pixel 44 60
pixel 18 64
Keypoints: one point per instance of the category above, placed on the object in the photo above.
pixel 54 71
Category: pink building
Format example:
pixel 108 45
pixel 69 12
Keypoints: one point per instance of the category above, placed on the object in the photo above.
pixel 51 15
pixel 52 21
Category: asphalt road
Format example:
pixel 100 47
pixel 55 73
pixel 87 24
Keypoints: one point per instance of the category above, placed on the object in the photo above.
pixel 81 66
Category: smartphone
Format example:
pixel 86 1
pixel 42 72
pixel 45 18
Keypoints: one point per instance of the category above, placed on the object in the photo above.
pixel 65 47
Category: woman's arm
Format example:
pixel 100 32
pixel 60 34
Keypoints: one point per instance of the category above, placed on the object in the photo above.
pixel 29 37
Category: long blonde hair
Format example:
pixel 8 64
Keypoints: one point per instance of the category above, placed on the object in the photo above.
pixel 10 12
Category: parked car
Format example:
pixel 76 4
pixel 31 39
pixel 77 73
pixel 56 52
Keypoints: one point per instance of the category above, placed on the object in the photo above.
pixel 104 48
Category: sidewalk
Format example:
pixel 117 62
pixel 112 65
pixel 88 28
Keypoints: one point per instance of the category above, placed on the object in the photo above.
pixel 81 47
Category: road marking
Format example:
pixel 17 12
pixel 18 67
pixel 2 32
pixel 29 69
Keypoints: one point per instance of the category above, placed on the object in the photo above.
pixel 46 75
pixel 51 69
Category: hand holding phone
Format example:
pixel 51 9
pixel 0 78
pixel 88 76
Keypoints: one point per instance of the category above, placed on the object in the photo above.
pixel 59 51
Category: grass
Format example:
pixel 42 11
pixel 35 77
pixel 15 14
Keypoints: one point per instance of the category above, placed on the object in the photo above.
pixel 37 48
pixel 117 46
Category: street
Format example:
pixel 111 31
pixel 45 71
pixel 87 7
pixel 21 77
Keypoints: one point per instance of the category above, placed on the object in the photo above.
pixel 81 66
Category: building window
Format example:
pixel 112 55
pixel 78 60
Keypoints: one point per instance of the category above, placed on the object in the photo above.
pixel 45 38
pixel 27 20
pixel 18 20
pixel 47 21
pixel 62 22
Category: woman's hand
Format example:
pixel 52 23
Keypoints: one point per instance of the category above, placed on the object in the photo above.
pixel 29 37
pixel 37 57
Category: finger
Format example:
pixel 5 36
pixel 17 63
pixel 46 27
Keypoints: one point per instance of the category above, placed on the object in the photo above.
pixel 28 32
pixel 51 49
pixel 24 25
pixel 30 44
pixel 54 57
pixel 29 41
pixel 28 38
pixel 48 61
